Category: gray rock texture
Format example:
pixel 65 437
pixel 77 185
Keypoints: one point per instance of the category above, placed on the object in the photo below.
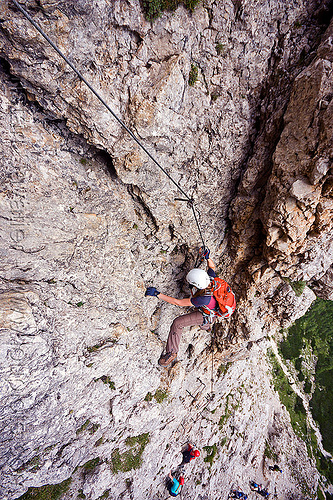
pixel 88 221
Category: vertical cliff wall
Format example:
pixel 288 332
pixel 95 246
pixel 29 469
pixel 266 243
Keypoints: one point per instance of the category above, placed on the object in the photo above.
pixel 87 222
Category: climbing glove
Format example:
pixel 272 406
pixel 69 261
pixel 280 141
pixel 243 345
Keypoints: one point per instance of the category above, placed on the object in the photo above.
pixel 151 292
pixel 204 252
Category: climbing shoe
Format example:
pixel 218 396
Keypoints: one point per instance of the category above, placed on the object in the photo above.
pixel 167 358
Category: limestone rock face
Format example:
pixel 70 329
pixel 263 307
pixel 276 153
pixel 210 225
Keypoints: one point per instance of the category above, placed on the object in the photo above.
pixel 88 222
pixel 298 198
pixel 323 287
pixel 297 204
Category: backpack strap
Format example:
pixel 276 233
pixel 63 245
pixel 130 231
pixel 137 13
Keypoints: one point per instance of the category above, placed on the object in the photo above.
pixel 208 315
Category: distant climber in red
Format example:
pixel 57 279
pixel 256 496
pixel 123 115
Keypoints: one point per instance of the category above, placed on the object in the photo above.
pixel 189 454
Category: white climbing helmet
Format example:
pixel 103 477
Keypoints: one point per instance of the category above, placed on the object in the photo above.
pixel 198 278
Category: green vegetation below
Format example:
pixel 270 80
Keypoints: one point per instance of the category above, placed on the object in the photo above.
pixel 88 426
pixel 104 495
pixel 47 492
pixel 322 406
pixel 106 380
pixel 222 369
pixel 231 406
pixel 193 76
pixel 269 452
pixel 154 8
pixel 92 464
pixel 160 395
pixel 211 452
pixel 314 333
pixel 325 467
pixel 130 459
pixel 297 412
pixel 297 286
pixel 289 399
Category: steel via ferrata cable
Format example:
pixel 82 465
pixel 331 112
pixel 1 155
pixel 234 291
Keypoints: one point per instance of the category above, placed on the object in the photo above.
pixel 44 35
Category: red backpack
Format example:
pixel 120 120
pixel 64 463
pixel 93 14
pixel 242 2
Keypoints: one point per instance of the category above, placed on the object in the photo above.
pixel 224 297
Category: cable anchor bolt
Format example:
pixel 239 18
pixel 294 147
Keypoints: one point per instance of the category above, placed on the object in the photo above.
pixel 189 201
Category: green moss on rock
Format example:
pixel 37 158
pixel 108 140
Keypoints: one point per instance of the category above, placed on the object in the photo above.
pixel 132 458
pixel 291 401
pixel 154 8
pixel 211 452
pixel 91 464
pixel 47 492
pixel 193 76
pixel 312 336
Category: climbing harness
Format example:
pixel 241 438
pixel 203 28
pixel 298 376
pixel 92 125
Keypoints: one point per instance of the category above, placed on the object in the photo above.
pixel 187 199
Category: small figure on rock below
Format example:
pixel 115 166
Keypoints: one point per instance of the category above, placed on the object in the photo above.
pixel 212 297
pixel 238 494
pixel 175 486
pixel 259 489
pixel 190 453
pixel 275 468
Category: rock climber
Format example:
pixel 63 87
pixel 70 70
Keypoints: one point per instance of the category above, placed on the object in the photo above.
pixel 259 489
pixel 206 306
pixel 199 281
pixel 190 453
pixel 175 486
pixel 275 468
pixel 238 494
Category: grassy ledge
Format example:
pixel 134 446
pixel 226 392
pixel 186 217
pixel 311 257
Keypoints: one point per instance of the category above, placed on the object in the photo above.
pixel 154 8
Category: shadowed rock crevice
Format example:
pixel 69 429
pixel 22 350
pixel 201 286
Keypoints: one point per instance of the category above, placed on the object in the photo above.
pixel 251 234
pixel 135 193
pixel 105 158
